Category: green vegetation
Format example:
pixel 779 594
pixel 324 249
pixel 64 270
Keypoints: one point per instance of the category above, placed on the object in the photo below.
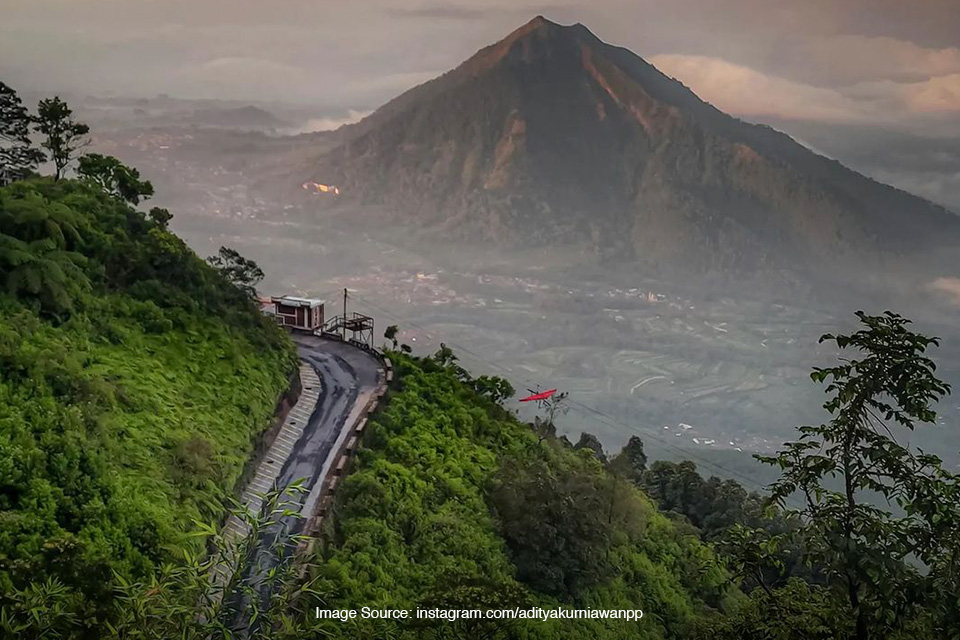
pixel 114 177
pixel 454 500
pixel 868 552
pixel 18 157
pixel 180 599
pixel 134 381
pixel 63 137
pixel 880 520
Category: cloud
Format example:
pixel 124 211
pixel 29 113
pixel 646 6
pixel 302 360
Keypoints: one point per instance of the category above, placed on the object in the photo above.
pixel 849 59
pixel 840 61
pixel 930 98
pixel 936 95
pixel 747 92
pixel 330 124
pixel 391 84
pixel 883 65
pixel 470 11
pixel 918 162
pixel 947 286
pixel 751 93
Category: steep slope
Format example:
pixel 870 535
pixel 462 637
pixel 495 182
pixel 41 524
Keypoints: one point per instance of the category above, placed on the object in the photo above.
pixel 551 136
pixel 455 504
pixel 134 380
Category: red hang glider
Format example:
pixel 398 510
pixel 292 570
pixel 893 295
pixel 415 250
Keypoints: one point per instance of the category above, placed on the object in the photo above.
pixel 542 396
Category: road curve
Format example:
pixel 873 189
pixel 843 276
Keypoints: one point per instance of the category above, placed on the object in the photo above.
pixel 348 378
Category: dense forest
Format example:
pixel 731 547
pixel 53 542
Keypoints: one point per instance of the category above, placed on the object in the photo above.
pixel 135 378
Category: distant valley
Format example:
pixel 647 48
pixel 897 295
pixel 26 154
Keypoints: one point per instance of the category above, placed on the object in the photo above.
pixel 669 265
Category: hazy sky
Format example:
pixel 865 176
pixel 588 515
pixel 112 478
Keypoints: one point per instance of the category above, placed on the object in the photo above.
pixel 892 64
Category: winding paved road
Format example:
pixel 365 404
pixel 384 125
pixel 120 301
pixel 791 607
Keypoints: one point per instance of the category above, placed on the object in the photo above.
pixel 349 377
pixel 338 382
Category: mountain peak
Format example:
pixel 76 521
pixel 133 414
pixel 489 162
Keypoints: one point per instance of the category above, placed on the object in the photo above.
pixel 551 136
pixel 539 25
pixel 539 22
pixel 533 35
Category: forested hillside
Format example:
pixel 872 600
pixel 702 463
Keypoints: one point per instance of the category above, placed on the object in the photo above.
pixel 134 380
pixel 456 504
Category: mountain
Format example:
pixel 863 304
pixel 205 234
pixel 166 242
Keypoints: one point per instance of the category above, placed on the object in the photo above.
pixel 551 136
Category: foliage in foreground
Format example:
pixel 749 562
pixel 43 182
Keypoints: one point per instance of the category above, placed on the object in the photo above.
pixel 195 596
pixel 880 520
pixel 134 379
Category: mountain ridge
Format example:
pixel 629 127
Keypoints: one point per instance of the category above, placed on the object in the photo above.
pixel 551 136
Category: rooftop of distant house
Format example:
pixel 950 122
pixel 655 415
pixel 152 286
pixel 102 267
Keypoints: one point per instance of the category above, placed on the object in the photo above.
pixel 295 301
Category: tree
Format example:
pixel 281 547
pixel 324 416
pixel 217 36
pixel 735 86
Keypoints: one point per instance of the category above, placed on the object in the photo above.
pixel 753 555
pixel 180 600
pixel 43 271
pixel 445 356
pixel 796 611
pixel 865 548
pixel 631 462
pixel 39 260
pixel 550 519
pixel 545 427
pixel 160 217
pixel 18 157
pixel 63 135
pixel 239 271
pixel 460 591
pixel 590 442
pixel 677 487
pixel 115 178
pixel 494 387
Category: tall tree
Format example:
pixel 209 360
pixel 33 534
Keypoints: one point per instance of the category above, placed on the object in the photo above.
pixel 590 442
pixel 114 177
pixel 631 462
pixel 494 387
pixel 239 271
pixel 545 426
pixel 865 548
pixel 18 157
pixel 551 521
pixel 160 217
pixel 63 136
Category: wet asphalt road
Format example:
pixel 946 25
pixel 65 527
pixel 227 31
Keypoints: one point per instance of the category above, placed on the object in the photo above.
pixel 349 376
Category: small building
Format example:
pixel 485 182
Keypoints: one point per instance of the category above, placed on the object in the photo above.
pixel 305 314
